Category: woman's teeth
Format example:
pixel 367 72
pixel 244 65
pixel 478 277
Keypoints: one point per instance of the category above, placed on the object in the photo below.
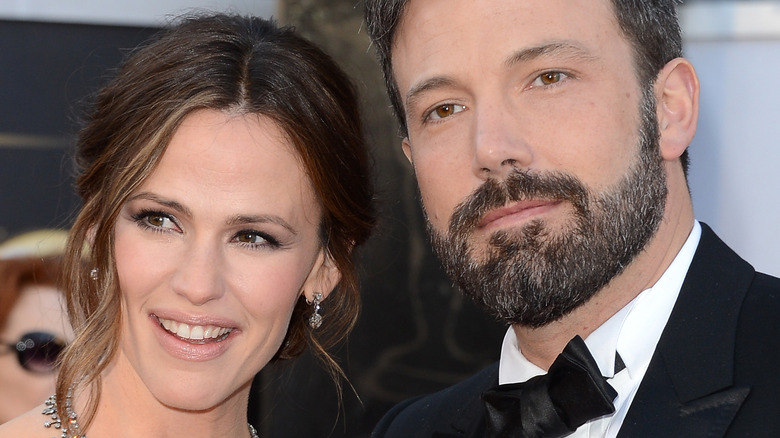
pixel 194 332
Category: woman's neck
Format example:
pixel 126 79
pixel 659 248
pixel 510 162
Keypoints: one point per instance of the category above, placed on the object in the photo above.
pixel 128 409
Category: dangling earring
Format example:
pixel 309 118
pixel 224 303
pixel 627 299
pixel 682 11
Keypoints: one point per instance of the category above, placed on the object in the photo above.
pixel 93 274
pixel 315 320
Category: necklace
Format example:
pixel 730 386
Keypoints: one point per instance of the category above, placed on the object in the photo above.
pixel 70 427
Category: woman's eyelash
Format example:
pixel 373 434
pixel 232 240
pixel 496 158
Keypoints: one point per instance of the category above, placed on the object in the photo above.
pixel 161 222
pixel 146 218
pixel 245 237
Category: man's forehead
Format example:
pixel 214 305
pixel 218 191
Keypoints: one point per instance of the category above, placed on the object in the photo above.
pixel 439 35
pixel 415 14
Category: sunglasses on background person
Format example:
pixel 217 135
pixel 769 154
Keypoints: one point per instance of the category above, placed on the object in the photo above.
pixel 37 351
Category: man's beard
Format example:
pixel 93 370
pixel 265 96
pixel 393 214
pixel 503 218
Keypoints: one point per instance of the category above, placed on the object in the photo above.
pixel 533 276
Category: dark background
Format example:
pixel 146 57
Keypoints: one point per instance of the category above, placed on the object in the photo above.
pixel 416 333
pixel 47 71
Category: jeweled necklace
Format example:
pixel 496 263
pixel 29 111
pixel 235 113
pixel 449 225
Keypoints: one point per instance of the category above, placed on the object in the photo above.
pixel 70 428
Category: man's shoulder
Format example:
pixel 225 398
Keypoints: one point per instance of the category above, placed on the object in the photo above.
pixel 721 265
pixel 456 408
pixel 762 305
pixel 767 283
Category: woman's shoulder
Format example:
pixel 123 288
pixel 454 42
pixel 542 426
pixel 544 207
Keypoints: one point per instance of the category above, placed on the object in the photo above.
pixel 29 424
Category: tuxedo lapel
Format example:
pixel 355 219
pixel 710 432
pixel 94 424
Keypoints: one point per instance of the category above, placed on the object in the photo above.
pixel 471 424
pixel 658 411
pixel 688 388
pixel 470 421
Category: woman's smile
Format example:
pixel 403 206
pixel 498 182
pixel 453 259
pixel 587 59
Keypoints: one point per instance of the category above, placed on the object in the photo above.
pixel 197 334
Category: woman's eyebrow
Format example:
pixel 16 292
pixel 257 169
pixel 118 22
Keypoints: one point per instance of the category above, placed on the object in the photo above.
pixel 260 219
pixel 174 205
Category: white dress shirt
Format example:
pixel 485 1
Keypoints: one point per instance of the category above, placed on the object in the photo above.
pixel 633 332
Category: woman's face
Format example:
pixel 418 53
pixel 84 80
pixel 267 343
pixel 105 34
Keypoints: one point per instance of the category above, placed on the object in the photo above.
pixel 38 309
pixel 213 251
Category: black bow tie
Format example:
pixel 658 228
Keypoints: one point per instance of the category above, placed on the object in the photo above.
pixel 572 393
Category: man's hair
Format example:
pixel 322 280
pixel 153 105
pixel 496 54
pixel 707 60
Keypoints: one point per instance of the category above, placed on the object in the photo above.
pixel 650 26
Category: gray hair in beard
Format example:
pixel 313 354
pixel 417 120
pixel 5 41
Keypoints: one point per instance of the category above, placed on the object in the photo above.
pixel 534 276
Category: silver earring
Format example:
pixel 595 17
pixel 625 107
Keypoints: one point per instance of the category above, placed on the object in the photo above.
pixel 315 320
pixel 93 274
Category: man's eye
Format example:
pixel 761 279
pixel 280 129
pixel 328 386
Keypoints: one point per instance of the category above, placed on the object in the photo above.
pixel 446 110
pixel 549 78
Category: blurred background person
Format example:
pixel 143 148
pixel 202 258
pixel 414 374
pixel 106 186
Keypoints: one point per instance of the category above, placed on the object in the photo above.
pixel 33 325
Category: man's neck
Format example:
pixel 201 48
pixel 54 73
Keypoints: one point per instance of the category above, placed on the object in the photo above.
pixel 542 345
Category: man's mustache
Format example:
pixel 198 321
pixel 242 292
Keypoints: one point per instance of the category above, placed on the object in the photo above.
pixel 520 185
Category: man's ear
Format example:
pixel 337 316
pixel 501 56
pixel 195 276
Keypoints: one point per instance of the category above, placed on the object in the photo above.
pixel 323 278
pixel 407 148
pixel 677 97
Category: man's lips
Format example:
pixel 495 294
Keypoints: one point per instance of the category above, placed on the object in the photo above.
pixel 515 212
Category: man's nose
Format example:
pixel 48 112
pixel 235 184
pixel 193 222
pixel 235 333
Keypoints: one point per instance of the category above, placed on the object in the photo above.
pixel 499 142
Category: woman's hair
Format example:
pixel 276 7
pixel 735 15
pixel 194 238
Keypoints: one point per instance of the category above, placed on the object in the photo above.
pixel 243 65
pixel 32 258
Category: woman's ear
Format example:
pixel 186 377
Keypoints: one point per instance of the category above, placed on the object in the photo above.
pixel 677 97
pixel 323 278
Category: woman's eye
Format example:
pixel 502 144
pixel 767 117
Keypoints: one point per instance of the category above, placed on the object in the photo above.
pixel 446 110
pixel 249 237
pixel 255 239
pixel 155 220
pixel 158 221
pixel 549 78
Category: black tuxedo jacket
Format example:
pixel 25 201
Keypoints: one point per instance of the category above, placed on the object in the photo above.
pixel 715 371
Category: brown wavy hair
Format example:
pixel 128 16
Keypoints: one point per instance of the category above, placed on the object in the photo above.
pixel 222 62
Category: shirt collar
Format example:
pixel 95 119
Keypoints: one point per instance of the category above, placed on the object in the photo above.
pixel 633 332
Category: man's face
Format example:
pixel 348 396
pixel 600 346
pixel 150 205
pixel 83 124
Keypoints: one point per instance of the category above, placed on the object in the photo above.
pixel 525 136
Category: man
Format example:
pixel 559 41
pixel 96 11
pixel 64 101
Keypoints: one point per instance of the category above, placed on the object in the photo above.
pixel 548 138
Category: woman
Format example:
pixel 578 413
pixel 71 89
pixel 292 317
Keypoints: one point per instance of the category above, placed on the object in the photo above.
pixel 33 324
pixel 225 184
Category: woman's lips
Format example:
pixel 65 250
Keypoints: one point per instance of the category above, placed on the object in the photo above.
pixel 195 340
pixel 195 333
pixel 514 213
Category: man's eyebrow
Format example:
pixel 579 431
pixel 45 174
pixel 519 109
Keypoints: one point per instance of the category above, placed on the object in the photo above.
pixel 558 48
pixel 429 84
